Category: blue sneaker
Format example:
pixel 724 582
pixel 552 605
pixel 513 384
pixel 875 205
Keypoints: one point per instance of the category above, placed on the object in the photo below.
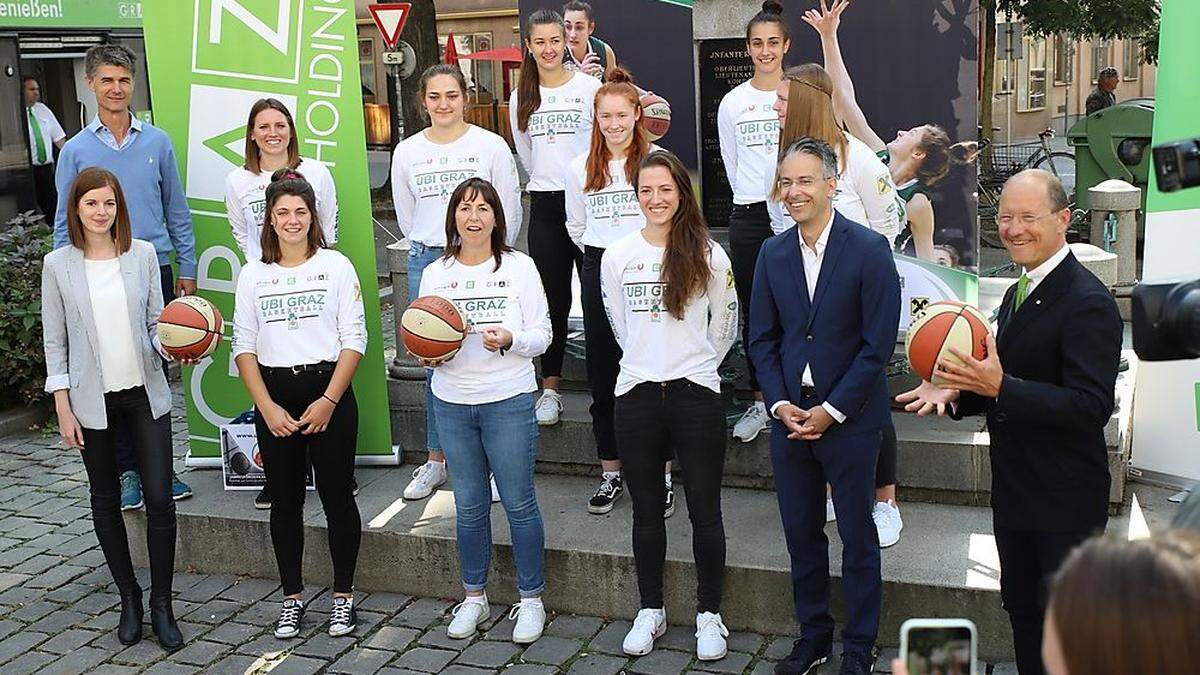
pixel 179 489
pixel 131 491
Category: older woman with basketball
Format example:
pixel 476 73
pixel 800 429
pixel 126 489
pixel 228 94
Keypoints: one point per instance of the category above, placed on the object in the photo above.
pixel 299 334
pixel 100 305
pixel 483 401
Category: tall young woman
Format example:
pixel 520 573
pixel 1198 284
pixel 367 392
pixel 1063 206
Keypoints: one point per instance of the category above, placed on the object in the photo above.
pixel 917 158
pixel 669 291
pixel 585 51
pixel 866 195
pixel 749 133
pixel 483 401
pixel 426 167
pixel 101 377
pixel 271 145
pixel 551 116
pixel 299 333
pixel 602 208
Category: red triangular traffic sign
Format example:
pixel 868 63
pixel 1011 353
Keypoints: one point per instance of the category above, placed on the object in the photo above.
pixel 390 17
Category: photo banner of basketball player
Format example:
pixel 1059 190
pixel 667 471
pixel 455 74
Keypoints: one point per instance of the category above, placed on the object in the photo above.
pixel 209 61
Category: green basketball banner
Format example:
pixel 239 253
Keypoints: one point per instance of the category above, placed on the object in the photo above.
pixel 209 61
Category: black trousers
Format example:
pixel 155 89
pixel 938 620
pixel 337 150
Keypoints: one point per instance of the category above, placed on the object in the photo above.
pixel 603 355
pixel 130 408
pixel 46 192
pixel 749 227
pixel 885 468
pixel 554 254
pixel 654 420
pixel 1027 561
pixel 126 458
pixel 285 461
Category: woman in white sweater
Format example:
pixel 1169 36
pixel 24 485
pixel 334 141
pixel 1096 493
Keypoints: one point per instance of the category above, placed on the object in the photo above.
pixel 426 168
pixel 669 291
pixel 483 401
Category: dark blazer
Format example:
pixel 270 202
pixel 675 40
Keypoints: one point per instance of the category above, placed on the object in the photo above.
pixel 846 334
pixel 1060 354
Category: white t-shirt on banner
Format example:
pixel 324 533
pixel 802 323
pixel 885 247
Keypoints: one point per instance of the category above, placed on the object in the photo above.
pixel 749 134
pixel 558 130
pixel 602 217
pixel 291 316
pixel 246 204
pixel 510 297
pixel 425 174
pixel 655 346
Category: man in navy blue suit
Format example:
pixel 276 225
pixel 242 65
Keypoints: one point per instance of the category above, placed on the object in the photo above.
pixel 823 319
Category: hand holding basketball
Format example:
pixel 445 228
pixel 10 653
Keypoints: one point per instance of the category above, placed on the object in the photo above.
pixel 927 398
pixel 981 376
pixel 432 330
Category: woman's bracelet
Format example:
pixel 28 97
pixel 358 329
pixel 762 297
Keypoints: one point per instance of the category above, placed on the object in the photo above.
pixel 326 397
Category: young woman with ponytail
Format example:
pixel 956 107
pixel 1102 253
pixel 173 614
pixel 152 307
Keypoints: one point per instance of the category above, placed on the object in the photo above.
pixel 669 293
pixel 551 117
pixel 602 208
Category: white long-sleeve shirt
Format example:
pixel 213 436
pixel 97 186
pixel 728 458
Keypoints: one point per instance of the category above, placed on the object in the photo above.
pixel 865 194
pixel 657 347
pixel 246 204
pixel 558 130
pixel 290 316
pixel 748 128
pixel 425 174
pixel 602 217
pixel 510 297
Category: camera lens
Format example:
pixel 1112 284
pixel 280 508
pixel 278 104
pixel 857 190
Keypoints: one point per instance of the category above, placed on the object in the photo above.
pixel 1181 316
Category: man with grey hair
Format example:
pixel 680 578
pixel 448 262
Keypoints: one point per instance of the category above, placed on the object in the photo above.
pixel 142 158
pixel 824 311
pixel 1047 388
pixel 1102 97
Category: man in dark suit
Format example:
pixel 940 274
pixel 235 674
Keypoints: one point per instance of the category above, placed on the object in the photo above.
pixel 823 320
pixel 1046 386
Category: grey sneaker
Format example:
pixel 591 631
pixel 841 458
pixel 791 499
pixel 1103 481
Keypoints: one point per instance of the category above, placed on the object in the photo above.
pixel 753 422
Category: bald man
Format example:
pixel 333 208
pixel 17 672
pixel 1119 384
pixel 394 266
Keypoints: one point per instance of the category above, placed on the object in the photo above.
pixel 1046 387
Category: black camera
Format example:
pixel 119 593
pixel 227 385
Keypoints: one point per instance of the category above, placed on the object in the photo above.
pixel 1177 165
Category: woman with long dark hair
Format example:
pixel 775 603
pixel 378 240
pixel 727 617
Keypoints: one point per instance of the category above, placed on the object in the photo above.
pixel 669 292
pixel 483 401
pixel 100 378
pixel 299 334
pixel 551 116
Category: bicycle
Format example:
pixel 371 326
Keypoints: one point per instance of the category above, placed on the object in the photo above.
pixel 998 163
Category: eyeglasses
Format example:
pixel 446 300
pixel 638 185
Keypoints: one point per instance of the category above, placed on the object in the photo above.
pixel 1025 218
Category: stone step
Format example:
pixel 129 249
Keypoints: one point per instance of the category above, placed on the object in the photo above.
pixel 945 564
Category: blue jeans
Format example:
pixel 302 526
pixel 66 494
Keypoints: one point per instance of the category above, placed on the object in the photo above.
pixel 500 437
pixel 420 255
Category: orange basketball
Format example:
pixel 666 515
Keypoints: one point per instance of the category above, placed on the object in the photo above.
pixel 656 115
pixel 939 327
pixel 190 327
pixel 432 328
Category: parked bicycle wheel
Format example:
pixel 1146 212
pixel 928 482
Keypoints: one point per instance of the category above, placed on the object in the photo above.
pixel 1061 164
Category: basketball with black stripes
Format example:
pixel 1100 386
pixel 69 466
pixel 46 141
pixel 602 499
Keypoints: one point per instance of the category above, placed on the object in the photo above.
pixel 190 327
pixel 432 328
pixel 940 326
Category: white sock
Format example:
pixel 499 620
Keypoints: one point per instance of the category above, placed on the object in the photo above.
pixel 609 475
pixel 480 599
pixel 667 479
pixel 536 602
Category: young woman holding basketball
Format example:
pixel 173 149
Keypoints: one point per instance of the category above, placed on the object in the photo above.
pixel 749 132
pixel 584 51
pixel 426 167
pixel 101 299
pixel 551 117
pixel 917 158
pixel 299 333
pixel 669 292
pixel 602 208
pixel 483 400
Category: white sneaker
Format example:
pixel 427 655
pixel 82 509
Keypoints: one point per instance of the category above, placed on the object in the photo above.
pixel 830 514
pixel 548 408
pixel 649 625
pixel 710 637
pixel 468 616
pixel 887 522
pixel 754 421
pixel 530 614
pixel 495 490
pixel 426 479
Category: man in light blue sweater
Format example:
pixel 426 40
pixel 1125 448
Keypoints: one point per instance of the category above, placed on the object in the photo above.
pixel 143 160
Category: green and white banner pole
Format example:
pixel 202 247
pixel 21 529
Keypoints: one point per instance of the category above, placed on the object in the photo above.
pixel 209 60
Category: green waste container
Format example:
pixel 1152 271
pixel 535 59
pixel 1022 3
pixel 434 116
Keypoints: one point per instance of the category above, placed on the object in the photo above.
pixel 1113 143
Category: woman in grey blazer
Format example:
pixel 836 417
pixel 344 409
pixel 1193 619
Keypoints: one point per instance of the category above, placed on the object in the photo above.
pixel 106 279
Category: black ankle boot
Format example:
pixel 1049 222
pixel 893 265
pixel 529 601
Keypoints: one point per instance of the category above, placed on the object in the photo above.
pixel 129 631
pixel 162 622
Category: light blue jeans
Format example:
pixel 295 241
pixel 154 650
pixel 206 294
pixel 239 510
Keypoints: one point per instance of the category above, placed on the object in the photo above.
pixel 419 256
pixel 499 437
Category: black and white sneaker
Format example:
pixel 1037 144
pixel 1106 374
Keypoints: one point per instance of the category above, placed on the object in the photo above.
pixel 288 625
pixel 669 507
pixel 263 500
pixel 343 618
pixel 606 495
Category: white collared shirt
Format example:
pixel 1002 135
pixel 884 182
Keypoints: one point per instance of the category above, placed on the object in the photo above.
pixel 1039 273
pixel 52 132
